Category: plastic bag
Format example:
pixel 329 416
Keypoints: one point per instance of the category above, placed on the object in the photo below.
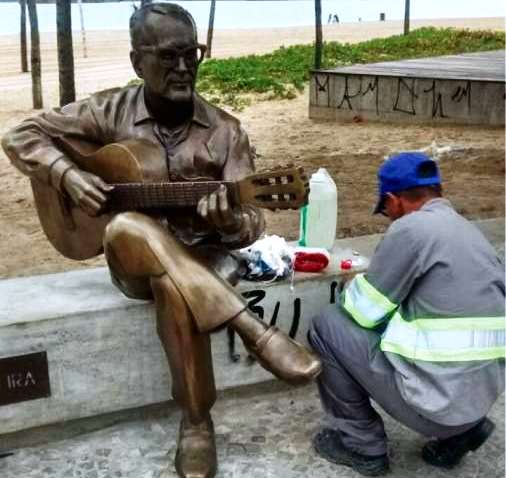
pixel 269 258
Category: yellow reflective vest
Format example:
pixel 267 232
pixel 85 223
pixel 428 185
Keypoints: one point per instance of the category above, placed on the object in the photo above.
pixel 435 288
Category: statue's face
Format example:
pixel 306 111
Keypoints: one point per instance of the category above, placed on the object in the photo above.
pixel 168 58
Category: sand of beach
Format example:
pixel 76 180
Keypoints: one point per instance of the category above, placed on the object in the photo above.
pixel 280 130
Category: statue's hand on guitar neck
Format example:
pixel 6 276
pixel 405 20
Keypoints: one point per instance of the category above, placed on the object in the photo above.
pixel 86 190
pixel 217 210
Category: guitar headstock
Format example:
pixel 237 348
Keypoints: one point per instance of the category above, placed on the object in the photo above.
pixel 280 188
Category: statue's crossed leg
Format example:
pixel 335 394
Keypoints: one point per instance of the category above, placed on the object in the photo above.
pixel 191 301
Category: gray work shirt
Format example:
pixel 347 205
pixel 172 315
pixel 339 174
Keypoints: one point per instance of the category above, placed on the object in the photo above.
pixel 435 263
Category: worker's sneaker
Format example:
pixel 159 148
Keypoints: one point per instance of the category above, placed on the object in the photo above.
pixel 447 453
pixel 328 445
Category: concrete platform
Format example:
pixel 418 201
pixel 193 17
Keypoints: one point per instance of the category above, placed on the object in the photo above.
pixel 463 89
pixel 103 352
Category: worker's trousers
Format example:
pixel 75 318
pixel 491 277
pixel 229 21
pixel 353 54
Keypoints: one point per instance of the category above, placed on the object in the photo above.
pixel 354 371
pixel 146 261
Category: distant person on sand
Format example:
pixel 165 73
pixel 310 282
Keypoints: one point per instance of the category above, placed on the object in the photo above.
pixel 333 18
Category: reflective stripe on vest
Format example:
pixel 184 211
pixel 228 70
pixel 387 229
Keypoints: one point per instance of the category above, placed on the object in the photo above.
pixel 365 303
pixel 446 339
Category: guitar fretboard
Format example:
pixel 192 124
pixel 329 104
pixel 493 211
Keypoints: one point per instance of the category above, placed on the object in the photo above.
pixel 130 196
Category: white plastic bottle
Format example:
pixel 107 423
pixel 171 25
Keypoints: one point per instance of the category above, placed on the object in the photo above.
pixel 318 219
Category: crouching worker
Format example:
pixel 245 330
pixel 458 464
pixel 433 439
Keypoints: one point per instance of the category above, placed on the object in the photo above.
pixel 421 333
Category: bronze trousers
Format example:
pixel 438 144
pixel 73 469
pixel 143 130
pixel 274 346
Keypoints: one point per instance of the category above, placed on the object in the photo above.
pixel 146 261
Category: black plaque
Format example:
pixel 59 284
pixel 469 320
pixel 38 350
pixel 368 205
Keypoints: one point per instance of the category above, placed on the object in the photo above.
pixel 25 377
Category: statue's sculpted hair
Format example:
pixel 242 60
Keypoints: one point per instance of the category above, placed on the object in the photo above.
pixel 170 10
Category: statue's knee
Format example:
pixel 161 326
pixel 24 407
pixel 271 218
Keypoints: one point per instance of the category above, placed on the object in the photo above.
pixel 128 223
pixel 127 246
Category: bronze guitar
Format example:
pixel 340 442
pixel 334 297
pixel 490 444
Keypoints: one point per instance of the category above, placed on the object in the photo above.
pixel 139 179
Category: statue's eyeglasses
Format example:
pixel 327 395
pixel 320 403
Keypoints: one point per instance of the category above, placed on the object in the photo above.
pixel 169 57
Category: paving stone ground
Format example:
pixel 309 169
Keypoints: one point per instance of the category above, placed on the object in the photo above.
pixel 262 432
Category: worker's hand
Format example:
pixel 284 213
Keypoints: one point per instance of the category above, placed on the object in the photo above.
pixel 217 210
pixel 86 190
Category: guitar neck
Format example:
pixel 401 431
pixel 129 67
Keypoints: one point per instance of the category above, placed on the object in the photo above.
pixel 130 196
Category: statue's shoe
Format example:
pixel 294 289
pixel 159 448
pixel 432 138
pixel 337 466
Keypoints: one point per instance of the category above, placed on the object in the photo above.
pixel 285 358
pixel 196 451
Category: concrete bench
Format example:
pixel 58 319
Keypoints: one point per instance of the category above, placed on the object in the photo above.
pixel 102 350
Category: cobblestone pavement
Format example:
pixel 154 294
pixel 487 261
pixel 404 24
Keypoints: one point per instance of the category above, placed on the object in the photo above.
pixel 262 432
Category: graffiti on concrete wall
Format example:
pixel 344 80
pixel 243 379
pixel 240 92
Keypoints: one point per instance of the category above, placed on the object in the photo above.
pixel 409 96
pixel 371 87
pixel 255 298
pixel 257 304
pixel 322 87
pixel 405 97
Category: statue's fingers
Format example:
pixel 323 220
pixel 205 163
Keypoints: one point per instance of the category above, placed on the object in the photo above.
pixel 224 206
pixel 214 212
pixel 202 207
pixel 90 206
pixel 102 185
pixel 95 194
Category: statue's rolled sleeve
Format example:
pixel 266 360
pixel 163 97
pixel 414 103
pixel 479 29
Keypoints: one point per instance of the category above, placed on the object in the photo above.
pixel 240 163
pixel 32 152
pixel 31 146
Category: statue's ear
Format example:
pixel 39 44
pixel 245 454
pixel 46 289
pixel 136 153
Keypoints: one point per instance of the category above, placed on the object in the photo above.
pixel 135 58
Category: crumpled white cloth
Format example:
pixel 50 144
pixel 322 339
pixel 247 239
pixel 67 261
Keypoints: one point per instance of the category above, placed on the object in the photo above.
pixel 269 258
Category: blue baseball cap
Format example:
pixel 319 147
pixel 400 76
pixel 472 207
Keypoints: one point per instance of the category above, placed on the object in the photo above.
pixel 405 171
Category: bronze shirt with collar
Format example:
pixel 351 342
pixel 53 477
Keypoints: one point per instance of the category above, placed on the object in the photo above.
pixel 211 146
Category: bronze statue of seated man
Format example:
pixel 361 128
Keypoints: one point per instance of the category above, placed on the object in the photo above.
pixel 179 257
